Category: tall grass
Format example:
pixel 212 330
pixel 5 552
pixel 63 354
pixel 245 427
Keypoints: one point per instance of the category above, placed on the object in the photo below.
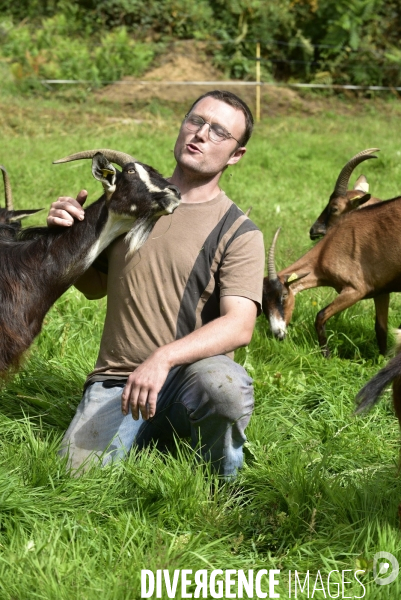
pixel 320 488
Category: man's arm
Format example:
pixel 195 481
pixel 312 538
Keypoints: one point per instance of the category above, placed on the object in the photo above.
pixel 230 331
pixel 64 212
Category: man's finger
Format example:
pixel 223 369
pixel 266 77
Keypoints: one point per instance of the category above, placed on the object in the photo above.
pixel 125 398
pixel 152 401
pixel 82 196
pixel 141 405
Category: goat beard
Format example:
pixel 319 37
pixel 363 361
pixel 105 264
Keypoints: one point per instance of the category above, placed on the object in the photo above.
pixel 139 233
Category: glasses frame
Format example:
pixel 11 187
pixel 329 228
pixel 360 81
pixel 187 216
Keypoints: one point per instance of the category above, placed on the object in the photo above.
pixel 227 134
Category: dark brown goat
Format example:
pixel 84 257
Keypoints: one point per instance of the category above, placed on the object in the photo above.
pixel 8 214
pixel 359 257
pixel 39 265
pixel 370 394
pixel 343 200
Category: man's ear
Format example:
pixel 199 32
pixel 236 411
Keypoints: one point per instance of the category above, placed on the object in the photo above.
pixel 236 155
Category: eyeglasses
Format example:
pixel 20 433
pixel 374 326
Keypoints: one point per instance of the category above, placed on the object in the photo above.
pixel 217 133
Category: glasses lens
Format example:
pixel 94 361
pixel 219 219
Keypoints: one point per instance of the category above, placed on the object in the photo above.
pixel 194 123
pixel 218 133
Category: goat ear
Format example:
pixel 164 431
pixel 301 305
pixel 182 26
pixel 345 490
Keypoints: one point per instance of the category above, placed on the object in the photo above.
pixel 359 200
pixel 361 184
pixel 294 277
pixel 17 215
pixel 103 171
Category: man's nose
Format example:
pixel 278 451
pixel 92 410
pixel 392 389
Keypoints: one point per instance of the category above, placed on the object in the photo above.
pixel 203 131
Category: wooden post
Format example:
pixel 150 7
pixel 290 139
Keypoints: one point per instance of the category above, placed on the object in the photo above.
pixel 257 82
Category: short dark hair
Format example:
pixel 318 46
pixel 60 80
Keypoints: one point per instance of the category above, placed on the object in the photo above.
pixel 236 102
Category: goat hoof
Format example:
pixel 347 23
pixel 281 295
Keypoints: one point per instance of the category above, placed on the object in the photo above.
pixel 326 352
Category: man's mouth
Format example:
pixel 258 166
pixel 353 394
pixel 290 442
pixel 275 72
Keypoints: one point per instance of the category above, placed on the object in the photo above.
pixel 193 148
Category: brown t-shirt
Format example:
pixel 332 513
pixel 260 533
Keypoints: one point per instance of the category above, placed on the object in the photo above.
pixel 173 284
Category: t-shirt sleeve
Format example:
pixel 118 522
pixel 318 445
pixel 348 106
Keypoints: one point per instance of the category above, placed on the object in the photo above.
pixel 242 269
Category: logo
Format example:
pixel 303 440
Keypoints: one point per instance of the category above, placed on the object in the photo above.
pixel 385 564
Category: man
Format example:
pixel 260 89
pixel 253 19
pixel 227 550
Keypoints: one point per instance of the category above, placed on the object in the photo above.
pixel 176 309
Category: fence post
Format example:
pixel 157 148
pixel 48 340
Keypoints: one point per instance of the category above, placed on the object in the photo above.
pixel 257 82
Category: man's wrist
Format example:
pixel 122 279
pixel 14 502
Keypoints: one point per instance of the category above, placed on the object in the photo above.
pixel 164 355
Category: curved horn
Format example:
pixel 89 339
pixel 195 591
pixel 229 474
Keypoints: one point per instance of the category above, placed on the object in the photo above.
pixel 120 158
pixel 342 182
pixel 271 268
pixel 7 189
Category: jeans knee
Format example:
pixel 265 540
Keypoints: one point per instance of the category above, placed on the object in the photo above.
pixel 222 388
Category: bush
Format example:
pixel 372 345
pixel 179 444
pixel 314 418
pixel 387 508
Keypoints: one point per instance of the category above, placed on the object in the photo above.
pixel 343 41
pixel 49 52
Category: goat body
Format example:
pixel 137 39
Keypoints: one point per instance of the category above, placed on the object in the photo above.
pixel 359 257
pixel 40 264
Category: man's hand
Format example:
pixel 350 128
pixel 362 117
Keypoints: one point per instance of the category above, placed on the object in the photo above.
pixel 66 209
pixel 144 385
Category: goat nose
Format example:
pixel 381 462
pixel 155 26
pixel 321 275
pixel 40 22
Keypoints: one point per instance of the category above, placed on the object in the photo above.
pixel 314 234
pixel 175 189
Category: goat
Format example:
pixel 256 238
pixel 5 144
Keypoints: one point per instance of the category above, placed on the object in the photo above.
pixel 359 257
pixel 343 200
pixel 42 263
pixel 370 394
pixel 8 215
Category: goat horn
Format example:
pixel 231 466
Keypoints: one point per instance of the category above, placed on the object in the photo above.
pixel 342 182
pixel 7 189
pixel 120 158
pixel 271 267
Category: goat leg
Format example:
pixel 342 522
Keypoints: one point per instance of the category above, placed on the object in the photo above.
pixel 347 297
pixel 381 306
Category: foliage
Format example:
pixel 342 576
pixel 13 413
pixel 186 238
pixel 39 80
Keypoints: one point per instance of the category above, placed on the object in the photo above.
pixel 53 52
pixel 340 41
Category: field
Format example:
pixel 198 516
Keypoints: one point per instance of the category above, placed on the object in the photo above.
pixel 320 488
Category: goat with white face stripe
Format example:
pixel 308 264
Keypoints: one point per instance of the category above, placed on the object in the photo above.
pixel 41 263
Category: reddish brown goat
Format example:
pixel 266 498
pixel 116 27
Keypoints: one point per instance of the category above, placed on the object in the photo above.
pixel 8 214
pixel 343 200
pixel 359 257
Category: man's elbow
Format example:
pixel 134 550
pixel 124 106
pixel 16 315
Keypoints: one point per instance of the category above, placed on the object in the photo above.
pixel 244 336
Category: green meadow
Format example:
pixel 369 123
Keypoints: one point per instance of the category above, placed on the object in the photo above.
pixel 320 488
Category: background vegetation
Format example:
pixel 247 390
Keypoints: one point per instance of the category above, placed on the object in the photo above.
pixel 320 488
pixel 340 41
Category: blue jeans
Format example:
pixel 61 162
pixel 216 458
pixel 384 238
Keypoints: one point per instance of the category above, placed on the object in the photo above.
pixel 210 402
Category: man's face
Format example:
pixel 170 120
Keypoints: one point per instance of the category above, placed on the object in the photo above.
pixel 196 153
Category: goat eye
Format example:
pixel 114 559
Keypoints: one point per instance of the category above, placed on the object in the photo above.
pixel 285 295
pixel 131 171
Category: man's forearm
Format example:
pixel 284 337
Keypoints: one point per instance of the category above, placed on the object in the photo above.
pixel 226 333
pixel 223 335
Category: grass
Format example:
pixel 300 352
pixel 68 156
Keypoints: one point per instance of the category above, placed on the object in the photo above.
pixel 320 487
